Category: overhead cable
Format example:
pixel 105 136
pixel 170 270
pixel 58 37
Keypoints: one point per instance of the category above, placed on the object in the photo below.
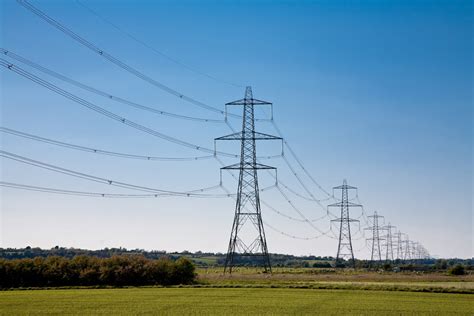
pixel 116 61
pixel 39 164
pixel 151 48
pixel 98 151
pixel 106 152
pixel 78 193
pixel 103 93
pixel 105 112
pixel 292 152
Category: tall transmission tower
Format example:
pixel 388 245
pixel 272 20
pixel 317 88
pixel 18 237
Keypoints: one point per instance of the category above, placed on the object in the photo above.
pixel 389 242
pixel 407 254
pixel 248 240
pixel 376 238
pixel 344 248
pixel 399 245
pixel 413 249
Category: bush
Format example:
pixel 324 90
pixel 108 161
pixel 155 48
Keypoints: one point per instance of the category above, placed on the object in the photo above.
pixel 321 265
pixel 85 270
pixel 457 270
pixel 387 267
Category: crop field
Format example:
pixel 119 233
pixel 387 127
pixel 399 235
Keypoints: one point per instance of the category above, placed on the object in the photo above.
pixel 331 279
pixel 222 301
pixel 249 292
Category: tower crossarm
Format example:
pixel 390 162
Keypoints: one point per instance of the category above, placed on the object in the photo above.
pixel 253 136
pixel 251 101
pixel 247 166
pixel 341 204
pixel 345 220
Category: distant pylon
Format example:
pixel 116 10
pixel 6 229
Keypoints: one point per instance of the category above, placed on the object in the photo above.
pixel 399 245
pixel 247 207
pixel 407 254
pixel 344 248
pixel 389 242
pixel 413 249
pixel 376 238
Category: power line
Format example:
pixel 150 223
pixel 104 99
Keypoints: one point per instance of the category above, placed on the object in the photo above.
pixel 292 152
pixel 318 202
pixel 301 214
pixel 266 203
pixel 106 152
pixel 303 218
pixel 116 61
pixel 364 213
pixel 151 48
pixel 277 230
pixel 276 211
pixel 290 235
pixel 93 178
pixel 105 112
pixel 273 209
pixel 294 192
pixel 99 151
pixel 96 49
pixel 77 193
pixel 103 93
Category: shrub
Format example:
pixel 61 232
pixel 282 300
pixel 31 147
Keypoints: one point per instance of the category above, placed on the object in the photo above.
pixel 387 267
pixel 457 270
pixel 84 270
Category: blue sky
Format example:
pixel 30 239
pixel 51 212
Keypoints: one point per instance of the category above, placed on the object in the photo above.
pixel 377 93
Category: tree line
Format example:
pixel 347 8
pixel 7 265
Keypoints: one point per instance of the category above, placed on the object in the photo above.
pixel 83 270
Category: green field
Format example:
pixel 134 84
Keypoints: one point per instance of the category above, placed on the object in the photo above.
pixel 226 301
pixel 342 280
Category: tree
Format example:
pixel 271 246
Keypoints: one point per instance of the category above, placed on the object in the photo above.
pixel 457 270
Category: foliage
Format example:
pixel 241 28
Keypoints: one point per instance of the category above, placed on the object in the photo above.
pixel 87 270
pixel 387 266
pixel 209 259
pixel 322 265
pixel 457 270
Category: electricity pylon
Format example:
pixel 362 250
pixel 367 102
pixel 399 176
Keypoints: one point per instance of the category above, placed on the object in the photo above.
pixel 399 245
pixel 388 242
pixel 406 242
pixel 247 207
pixel 344 248
pixel 413 249
pixel 376 249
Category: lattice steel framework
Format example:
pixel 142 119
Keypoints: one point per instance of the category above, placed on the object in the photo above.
pixel 376 253
pixel 389 242
pixel 247 207
pixel 406 243
pixel 413 249
pixel 344 248
pixel 400 254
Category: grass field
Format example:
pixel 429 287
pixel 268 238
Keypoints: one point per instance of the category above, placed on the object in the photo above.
pixel 205 301
pixel 323 279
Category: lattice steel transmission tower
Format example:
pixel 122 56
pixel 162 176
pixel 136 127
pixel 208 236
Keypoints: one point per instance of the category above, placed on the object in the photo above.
pixel 413 249
pixel 376 238
pixel 407 254
pixel 344 248
pixel 399 245
pixel 248 240
pixel 388 242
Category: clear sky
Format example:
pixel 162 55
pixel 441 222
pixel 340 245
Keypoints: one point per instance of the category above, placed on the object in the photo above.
pixel 375 92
